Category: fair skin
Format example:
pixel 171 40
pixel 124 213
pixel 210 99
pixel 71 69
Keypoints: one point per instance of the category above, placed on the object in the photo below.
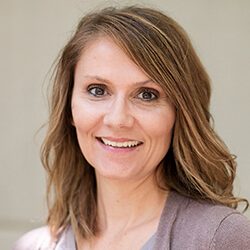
pixel 124 126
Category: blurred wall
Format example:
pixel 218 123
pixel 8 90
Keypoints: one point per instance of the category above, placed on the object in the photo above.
pixel 33 32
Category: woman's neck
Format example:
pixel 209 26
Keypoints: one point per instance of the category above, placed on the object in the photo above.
pixel 126 205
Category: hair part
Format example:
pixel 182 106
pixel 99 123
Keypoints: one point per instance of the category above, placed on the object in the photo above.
pixel 198 164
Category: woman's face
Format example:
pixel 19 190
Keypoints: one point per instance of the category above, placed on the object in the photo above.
pixel 123 119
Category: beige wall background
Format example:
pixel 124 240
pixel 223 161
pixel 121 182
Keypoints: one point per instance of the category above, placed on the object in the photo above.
pixel 33 32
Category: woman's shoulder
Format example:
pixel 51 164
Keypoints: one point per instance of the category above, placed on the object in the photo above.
pixel 35 239
pixel 205 212
pixel 224 227
pixel 233 232
pixel 211 226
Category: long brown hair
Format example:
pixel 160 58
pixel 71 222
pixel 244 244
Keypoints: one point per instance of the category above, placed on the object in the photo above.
pixel 198 164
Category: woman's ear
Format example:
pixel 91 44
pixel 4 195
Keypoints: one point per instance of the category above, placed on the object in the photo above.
pixel 72 121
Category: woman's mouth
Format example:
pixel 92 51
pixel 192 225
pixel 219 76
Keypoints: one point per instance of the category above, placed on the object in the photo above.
pixel 119 143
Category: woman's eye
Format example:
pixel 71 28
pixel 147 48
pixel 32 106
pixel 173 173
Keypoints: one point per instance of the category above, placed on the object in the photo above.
pixel 97 90
pixel 148 95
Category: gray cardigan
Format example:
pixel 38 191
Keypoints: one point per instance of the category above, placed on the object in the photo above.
pixel 197 225
pixel 185 224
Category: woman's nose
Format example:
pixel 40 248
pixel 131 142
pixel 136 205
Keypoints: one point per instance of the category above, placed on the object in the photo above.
pixel 119 114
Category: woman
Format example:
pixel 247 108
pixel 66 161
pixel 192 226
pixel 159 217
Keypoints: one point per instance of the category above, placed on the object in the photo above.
pixel 132 159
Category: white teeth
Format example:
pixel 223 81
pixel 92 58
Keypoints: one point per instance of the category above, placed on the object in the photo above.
pixel 121 144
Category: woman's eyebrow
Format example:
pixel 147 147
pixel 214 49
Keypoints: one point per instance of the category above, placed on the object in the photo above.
pixel 101 79
pixel 98 78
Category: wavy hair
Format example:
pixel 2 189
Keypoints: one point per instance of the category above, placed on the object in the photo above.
pixel 197 165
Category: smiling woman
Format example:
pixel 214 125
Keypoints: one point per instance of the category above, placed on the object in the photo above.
pixel 132 159
pixel 122 118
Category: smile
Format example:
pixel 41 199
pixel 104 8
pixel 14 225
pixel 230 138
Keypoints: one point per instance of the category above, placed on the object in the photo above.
pixel 119 144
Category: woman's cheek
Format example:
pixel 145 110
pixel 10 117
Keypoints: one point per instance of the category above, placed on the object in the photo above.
pixel 86 114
